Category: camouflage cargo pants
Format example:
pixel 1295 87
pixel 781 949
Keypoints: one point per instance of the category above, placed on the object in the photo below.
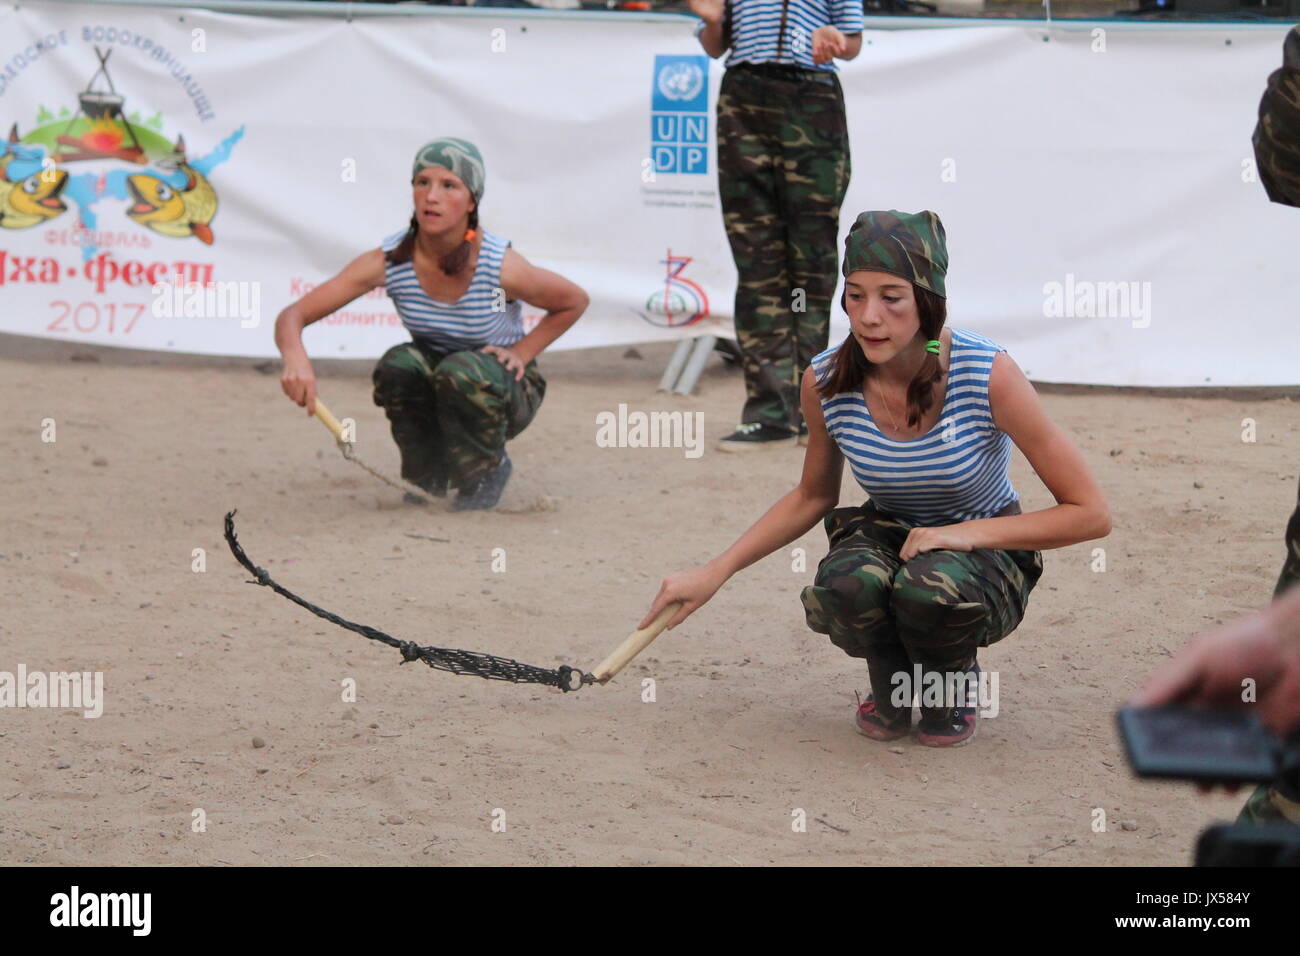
pixel 452 412
pixel 783 169
pixel 935 610
pixel 1274 804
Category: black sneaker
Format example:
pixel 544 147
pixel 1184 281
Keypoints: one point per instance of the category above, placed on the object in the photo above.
pixel 729 351
pixel 487 492
pixel 950 726
pixel 755 436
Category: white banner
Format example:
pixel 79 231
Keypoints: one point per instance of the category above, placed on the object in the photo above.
pixel 1097 186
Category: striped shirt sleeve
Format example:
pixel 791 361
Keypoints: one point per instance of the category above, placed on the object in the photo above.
pixel 847 15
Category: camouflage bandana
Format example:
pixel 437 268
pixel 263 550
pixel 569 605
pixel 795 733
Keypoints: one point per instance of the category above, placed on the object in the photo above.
pixel 908 245
pixel 458 155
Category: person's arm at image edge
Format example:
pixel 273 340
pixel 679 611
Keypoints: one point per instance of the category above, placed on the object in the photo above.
pixel 1210 671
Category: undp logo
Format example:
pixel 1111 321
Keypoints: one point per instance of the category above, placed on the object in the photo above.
pixel 679 118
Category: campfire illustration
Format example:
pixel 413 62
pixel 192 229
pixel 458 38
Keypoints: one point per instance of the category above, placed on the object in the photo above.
pixel 104 131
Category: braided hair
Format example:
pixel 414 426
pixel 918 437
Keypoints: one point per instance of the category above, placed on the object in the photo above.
pixel 452 263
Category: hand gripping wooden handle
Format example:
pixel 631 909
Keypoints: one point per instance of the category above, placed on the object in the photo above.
pixel 328 420
pixel 636 642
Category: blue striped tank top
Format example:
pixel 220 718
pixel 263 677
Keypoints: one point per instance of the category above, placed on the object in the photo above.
pixel 469 323
pixel 955 472
pixel 755 23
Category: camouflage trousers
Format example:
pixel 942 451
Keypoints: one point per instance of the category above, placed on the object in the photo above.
pixel 1271 803
pixel 783 169
pixel 936 610
pixel 451 413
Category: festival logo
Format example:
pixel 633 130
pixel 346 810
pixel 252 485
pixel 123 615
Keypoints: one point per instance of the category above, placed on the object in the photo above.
pixel 679 302
pixel 81 156
pixel 679 117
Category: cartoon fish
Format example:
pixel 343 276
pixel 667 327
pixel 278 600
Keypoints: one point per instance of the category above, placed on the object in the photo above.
pixel 32 200
pixel 174 212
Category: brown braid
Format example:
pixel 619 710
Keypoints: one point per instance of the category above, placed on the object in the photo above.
pixel 450 264
pixel 455 261
pixel 403 250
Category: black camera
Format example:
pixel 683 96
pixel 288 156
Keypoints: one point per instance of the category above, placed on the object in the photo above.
pixel 1219 747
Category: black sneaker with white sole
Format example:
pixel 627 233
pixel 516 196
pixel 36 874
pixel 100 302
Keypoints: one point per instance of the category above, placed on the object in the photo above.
pixel 755 436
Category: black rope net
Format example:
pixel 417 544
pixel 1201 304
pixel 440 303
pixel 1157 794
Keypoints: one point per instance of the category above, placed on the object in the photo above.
pixel 487 666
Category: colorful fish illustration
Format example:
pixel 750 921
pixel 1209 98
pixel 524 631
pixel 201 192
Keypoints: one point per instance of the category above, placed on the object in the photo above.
pixel 174 212
pixel 31 200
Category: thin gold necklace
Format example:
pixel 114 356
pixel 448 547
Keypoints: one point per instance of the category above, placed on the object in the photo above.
pixel 885 402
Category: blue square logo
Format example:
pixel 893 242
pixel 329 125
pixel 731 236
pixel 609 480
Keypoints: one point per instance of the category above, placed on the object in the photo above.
pixel 681 84
pixel 664 127
pixel 665 158
pixel 695 129
pixel 694 159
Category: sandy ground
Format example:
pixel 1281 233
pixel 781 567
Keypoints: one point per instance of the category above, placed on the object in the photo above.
pixel 752 716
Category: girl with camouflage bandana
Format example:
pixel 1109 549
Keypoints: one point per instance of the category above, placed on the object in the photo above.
pixel 940 561
pixel 467 381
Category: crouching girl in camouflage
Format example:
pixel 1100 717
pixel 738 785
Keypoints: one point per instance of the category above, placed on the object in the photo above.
pixel 467 381
pixel 940 561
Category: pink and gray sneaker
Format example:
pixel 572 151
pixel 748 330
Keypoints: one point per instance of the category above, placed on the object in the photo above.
pixel 871 724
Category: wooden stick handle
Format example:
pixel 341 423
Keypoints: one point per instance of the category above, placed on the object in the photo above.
pixel 636 642
pixel 328 420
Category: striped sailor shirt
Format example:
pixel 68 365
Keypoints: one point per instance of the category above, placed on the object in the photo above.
pixel 471 322
pixel 955 472
pixel 755 23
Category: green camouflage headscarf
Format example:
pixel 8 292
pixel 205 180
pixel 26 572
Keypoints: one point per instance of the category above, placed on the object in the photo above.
pixel 904 244
pixel 458 155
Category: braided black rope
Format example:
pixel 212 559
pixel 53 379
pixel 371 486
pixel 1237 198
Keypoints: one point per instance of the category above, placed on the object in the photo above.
pixel 487 666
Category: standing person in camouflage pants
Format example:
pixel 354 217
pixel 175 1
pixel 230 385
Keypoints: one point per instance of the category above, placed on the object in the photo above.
pixel 1281 801
pixel 467 381
pixel 940 561
pixel 1264 646
pixel 1277 156
pixel 783 169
